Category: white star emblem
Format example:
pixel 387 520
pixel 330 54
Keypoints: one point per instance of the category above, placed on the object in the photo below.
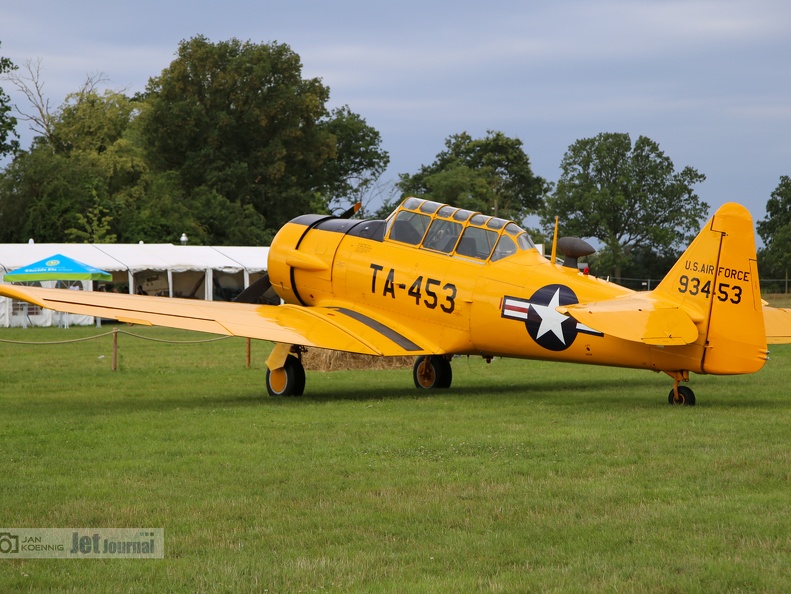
pixel 551 320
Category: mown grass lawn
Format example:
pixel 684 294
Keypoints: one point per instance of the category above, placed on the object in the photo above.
pixel 524 476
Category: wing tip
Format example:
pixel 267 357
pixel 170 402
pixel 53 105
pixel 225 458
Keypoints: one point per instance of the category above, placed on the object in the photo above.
pixel 18 293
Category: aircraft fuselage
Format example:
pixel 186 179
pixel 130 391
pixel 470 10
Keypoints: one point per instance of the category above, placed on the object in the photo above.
pixel 467 305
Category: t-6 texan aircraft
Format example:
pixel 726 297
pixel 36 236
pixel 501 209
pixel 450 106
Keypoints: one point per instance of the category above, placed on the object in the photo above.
pixel 436 281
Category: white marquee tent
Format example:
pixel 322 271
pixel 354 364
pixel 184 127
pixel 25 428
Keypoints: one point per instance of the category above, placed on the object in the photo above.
pixel 200 272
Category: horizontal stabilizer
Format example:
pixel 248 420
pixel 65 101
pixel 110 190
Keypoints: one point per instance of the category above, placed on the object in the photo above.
pixel 778 325
pixel 637 318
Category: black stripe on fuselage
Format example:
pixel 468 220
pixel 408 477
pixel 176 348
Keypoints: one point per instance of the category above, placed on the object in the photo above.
pixel 397 338
pixel 310 221
pixel 366 229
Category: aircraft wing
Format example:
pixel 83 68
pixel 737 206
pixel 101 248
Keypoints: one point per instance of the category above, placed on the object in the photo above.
pixel 778 325
pixel 637 318
pixel 337 328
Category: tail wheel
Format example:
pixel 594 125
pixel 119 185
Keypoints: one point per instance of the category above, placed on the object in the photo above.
pixel 685 397
pixel 432 372
pixel 288 380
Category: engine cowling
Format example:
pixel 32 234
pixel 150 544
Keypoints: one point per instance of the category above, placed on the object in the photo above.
pixel 302 254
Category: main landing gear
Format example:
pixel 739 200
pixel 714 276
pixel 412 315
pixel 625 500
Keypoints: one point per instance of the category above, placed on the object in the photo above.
pixel 285 375
pixel 681 395
pixel 432 371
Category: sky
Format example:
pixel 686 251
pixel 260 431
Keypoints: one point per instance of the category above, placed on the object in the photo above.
pixel 709 80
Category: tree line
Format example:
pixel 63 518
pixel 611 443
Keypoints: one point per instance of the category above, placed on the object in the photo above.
pixel 229 142
pixel 226 144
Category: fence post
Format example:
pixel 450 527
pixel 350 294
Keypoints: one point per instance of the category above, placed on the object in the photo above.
pixel 115 349
pixel 248 353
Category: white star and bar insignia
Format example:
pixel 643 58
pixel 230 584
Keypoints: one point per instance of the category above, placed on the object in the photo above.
pixel 548 327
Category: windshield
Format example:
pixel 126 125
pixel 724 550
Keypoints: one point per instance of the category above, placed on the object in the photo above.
pixel 441 228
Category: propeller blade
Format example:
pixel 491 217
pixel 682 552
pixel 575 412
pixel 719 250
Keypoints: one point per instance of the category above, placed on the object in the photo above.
pixel 255 292
pixel 350 212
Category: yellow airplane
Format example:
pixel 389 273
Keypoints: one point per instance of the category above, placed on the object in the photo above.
pixel 435 281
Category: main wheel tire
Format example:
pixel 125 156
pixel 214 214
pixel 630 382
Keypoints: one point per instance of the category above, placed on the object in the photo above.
pixel 299 372
pixel 432 372
pixel 289 380
pixel 446 373
pixel 686 397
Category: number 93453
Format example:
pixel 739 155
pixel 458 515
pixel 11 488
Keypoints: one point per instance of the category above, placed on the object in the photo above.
pixel 723 292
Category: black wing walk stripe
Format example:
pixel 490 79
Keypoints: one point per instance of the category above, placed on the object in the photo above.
pixel 389 333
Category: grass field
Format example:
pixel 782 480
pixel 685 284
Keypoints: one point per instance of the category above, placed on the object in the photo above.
pixel 778 299
pixel 525 476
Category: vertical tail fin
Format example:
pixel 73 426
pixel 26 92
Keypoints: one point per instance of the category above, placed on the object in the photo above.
pixel 716 282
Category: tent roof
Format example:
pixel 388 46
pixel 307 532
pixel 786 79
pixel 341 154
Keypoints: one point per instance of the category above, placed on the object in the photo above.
pixel 57 267
pixel 135 256
pixel 16 255
pixel 139 256
pixel 182 257
pixel 254 259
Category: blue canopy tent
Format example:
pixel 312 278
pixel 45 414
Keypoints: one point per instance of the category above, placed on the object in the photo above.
pixel 56 268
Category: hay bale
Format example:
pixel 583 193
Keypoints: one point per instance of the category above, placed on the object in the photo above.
pixel 327 360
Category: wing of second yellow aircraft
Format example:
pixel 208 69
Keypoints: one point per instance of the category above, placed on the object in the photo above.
pixel 337 328
pixel 778 325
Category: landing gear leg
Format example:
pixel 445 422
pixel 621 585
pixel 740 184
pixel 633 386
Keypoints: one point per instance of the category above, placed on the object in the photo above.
pixel 433 371
pixel 681 395
pixel 285 375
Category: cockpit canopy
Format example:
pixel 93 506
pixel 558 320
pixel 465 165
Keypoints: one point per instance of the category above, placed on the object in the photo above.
pixel 450 230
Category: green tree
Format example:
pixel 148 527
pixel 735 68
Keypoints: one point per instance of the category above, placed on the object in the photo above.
pixel 644 269
pixel 241 127
pixel 359 159
pixel 73 170
pixel 491 175
pixel 775 231
pixel 41 194
pixel 86 177
pixel 156 210
pixel 94 225
pixel 8 135
pixel 92 122
pixel 226 145
pixel 628 197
